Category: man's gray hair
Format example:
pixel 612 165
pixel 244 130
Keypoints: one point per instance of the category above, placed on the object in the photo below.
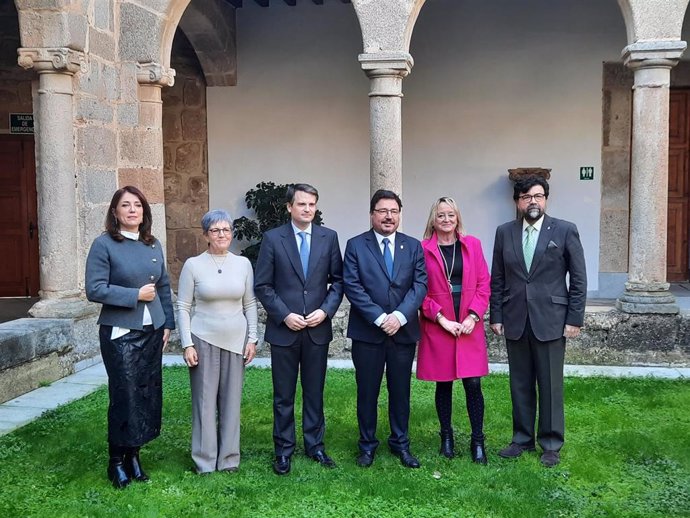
pixel 214 216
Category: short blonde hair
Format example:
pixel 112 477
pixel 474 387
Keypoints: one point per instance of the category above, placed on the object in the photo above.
pixel 429 230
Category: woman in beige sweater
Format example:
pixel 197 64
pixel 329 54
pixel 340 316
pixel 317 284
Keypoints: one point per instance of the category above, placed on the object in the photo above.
pixel 219 339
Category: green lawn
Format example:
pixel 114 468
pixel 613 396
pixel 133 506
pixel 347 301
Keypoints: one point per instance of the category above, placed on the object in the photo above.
pixel 627 453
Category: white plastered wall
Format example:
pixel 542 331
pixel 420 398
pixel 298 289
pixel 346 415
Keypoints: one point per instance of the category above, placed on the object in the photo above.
pixel 496 85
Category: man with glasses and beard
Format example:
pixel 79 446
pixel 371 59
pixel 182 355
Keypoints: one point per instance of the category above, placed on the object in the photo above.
pixel 385 282
pixel 534 307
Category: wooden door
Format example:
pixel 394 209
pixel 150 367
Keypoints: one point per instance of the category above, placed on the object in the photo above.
pixel 18 217
pixel 678 187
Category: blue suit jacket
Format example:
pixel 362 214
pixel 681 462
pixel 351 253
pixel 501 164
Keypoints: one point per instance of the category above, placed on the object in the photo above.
pixel 371 292
pixel 280 285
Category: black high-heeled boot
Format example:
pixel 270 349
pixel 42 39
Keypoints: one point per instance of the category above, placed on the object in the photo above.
pixel 447 443
pixel 116 468
pixel 478 452
pixel 133 466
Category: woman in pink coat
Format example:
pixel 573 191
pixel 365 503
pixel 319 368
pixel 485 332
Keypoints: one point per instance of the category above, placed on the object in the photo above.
pixel 453 344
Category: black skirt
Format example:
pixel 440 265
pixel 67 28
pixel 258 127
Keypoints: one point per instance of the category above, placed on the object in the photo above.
pixel 135 385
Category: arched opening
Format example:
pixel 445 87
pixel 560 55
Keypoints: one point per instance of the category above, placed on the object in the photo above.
pixel 19 277
pixel 503 85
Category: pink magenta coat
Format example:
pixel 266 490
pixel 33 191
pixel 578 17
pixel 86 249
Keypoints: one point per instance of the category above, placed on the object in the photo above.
pixel 443 357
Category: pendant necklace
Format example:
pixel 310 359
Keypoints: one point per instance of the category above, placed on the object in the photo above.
pixel 219 266
pixel 448 271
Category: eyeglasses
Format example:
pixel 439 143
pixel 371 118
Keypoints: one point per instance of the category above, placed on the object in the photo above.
pixel 529 197
pixel 387 212
pixel 218 231
pixel 443 215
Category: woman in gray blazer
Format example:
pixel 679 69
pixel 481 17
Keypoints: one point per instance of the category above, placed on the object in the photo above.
pixel 125 271
pixel 219 339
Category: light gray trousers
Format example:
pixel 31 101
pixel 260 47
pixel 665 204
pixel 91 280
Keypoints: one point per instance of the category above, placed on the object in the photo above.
pixel 216 399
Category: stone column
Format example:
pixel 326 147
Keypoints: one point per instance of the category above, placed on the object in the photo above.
pixel 386 71
pixel 647 290
pixel 141 156
pixel 55 175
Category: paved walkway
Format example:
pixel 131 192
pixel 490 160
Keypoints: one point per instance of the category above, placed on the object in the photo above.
pixel 24 409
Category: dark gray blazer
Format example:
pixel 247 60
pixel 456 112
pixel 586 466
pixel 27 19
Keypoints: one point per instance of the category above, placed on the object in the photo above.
pixel 114 273
pixel 542 293
pixel 372 293
pixel 280 285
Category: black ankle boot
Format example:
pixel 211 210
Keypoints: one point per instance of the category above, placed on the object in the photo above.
pixel 117 473
pixel 478 452
pixel 447 444
pixel 133 466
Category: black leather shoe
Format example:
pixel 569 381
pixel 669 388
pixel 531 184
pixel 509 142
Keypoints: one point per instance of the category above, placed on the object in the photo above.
pixel 478 452
pixel 117 473
pixel 323 459
pixel 281 466
pixel 407 459
pixel 550 458
pixel 447 444
pixel 365 459
pixel 514 450
pixel 133 467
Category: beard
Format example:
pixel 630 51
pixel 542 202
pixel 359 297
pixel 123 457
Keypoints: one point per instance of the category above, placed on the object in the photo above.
pixel 533 213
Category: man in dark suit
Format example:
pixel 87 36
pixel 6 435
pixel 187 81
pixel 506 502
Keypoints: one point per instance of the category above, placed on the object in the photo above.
pixel 299 281
pixel 385 281
pixel 536 310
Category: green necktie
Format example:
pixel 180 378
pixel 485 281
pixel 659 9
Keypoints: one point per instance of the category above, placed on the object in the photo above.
pixel 529 245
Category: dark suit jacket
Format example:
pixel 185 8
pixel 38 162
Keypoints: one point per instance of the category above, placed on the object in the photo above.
pixel 280 285
pixel 371 292
pixel 541 293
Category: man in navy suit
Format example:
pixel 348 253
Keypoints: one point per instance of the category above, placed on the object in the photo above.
pixel 299 281
pixel 536 310
pixel 385 281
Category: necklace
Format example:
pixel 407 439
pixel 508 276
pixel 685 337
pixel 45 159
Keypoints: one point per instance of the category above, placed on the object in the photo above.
pixel 448 271
pixel 219 266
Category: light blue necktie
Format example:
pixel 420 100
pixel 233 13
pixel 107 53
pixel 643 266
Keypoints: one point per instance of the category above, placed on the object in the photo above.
pixel 304 252
pixel 387 257
pixel 529 246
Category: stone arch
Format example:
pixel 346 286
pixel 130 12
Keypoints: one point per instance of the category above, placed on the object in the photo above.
pixel 647 20
pixel 387 24
pixel 210 27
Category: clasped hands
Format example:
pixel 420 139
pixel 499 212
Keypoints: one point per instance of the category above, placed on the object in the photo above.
pixel 297 322
pixel 457 328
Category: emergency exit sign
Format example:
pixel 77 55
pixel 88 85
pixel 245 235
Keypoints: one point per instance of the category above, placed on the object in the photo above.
pixel 22 123
pixel 587 173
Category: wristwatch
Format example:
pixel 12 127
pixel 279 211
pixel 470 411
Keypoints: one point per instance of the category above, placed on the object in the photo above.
pixel 474 317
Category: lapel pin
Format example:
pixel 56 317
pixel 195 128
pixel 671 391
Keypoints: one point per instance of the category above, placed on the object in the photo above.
pixel 548 228
pixel 402 246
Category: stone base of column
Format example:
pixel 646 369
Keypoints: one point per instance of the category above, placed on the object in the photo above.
pixel 72 307
pixel 647 298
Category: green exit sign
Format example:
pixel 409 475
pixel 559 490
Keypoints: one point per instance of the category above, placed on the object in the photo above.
pixel 587 173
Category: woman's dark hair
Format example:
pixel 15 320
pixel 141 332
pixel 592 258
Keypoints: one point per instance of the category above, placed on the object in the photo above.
pixel 113 228
pixel 523 185
pixel 383 194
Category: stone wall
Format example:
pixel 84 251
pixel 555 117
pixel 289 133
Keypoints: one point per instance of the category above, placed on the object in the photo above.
pixel 609 337
pixel 185 147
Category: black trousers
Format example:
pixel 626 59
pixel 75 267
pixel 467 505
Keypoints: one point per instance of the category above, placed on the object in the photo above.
pixel 370 360
pixel 307 359
pixel 537 365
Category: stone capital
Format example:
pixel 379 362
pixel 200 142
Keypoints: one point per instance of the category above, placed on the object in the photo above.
pixel 653 54
pixel 52 60
pixel 399 63
pixel 155 74
pixel 386 71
